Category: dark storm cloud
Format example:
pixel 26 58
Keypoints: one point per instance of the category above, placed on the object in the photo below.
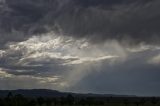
pixel 136 20
pixel 93 19
pixel 30 49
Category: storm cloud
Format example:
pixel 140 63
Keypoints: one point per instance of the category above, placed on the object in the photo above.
pixel 136 21
pixel 69 44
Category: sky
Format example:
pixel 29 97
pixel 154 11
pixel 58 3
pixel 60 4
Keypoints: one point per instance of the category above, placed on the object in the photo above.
pixel 98 46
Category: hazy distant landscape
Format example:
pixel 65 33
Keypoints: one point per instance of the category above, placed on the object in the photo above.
pixel 44 97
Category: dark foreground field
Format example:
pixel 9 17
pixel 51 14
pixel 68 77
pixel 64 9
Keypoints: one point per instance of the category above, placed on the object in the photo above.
pixel 69 100
pixel 33 98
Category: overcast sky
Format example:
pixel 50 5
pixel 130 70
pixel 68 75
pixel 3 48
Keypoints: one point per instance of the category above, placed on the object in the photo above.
pixel 98 46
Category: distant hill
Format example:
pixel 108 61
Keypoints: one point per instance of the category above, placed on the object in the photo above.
pixel 51 93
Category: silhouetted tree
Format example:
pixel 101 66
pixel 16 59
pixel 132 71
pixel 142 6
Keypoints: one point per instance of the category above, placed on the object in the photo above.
pixel 69 100
pixel 10 95
pixel 9 99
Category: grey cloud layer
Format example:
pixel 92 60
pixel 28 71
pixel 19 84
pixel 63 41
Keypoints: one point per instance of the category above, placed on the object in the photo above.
pixel 69 44
pixel 95 20
pixel 64 63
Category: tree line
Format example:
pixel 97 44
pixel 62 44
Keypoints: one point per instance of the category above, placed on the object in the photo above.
pixel 70 100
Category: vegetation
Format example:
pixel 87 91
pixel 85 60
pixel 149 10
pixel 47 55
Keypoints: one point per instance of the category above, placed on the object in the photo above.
pixel 69 100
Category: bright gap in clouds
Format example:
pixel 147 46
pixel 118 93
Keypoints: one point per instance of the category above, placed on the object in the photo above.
pixel 59 62
pixel 53 56
pixel 64 48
